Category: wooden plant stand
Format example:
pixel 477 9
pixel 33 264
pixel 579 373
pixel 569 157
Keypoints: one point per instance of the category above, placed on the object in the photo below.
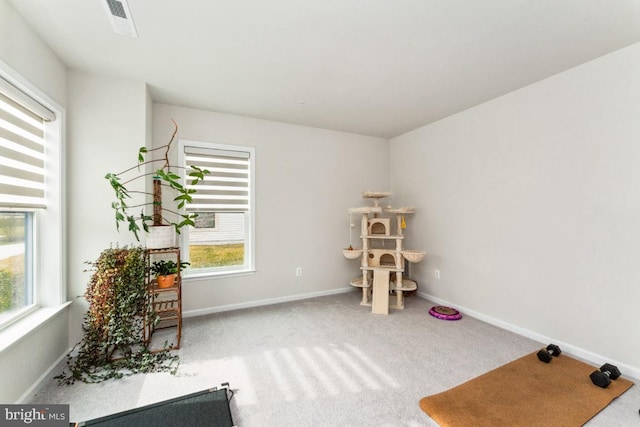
pixel 164 305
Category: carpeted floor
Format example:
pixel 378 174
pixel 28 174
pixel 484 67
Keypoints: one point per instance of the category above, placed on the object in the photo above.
pixel 323 362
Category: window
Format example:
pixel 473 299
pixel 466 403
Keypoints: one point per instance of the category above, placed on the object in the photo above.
pixel 206 220
pixel 30 201
pixel 221 241
pixel 16 266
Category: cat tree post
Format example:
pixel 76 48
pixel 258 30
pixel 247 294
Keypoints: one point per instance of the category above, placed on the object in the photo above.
pixel 365 256
pixel 377 259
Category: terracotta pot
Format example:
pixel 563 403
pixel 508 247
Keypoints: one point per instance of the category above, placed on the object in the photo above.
pixel 166 281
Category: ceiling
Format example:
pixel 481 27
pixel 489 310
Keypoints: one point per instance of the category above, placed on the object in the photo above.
pixel 372 67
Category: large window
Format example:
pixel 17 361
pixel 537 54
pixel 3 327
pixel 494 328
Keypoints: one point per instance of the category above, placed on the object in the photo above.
pixel 221 241
pixel 30 201
pixel 16 263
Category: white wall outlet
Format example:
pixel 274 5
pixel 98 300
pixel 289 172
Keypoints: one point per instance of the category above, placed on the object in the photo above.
pixel 436 273
pixel 299 271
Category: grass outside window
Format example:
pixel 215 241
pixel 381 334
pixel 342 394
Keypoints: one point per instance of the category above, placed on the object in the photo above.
pixel 213 256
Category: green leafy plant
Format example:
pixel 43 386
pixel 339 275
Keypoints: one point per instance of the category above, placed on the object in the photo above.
pixel 165 268
pixel 113 340
pixel 164 176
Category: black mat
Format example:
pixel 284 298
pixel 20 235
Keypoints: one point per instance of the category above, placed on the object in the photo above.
pixel 200 409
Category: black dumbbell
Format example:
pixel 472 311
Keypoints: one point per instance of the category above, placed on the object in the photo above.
pixel 546 354
pixel 603 377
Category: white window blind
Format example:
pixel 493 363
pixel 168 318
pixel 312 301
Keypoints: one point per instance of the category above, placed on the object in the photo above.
pixel 22 150
pixel 227 186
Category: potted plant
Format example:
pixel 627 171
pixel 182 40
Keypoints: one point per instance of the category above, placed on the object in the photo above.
pixel 163 177
pixel 166 271
pixel 113 344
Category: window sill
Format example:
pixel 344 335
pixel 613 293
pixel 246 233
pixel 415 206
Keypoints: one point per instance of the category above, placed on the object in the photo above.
pixel 217 274
pixel 16 331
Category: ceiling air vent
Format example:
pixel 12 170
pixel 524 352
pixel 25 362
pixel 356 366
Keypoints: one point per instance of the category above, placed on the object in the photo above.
pixel 120 17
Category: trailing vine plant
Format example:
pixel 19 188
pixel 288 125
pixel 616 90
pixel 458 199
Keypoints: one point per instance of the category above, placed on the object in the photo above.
pixel 113 345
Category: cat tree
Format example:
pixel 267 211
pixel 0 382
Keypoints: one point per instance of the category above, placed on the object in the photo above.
pixel 382 254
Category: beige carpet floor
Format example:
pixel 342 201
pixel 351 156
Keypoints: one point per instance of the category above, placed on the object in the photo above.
pixel 323 362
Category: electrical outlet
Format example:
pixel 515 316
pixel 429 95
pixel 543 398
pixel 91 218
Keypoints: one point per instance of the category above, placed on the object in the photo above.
pixel 436 273
pixel 299 271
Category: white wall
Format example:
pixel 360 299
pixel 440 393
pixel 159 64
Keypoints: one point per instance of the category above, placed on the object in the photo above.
pixel 530 205
pixel 22 50
pixel 107 125
pixel 28 361
pixel 306 179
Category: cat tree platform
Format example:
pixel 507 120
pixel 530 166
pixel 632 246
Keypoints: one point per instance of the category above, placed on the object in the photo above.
pixel 382 256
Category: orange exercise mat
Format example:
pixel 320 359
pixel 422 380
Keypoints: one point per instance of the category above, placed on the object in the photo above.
pixel 525 392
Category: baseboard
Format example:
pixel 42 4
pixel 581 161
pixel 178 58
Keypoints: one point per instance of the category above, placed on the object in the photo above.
pixel 574 351
pixel 259 303
pixel 45 377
